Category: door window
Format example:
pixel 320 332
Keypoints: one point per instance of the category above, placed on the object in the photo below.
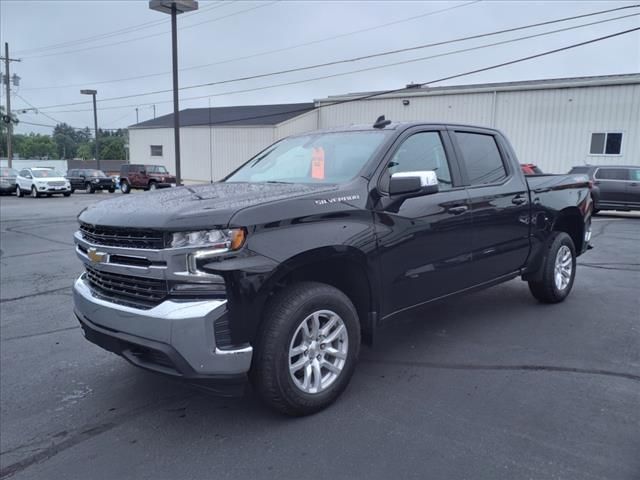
pixel 24 173
pixel 481 158
pixel 612 174
pixel 422 151
pixel 635 174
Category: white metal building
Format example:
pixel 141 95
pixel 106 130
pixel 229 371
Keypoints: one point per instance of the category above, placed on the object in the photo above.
pixel 555 124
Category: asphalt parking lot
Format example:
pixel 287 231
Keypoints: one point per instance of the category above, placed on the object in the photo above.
pixel 492 385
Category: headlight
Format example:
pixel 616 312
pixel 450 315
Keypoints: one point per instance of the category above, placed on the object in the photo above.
pixel 41 183
pixel 96 180
pixel 225 240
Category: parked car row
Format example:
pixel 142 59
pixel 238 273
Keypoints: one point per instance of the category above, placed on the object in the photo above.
pixel 613 187
pixel 47 181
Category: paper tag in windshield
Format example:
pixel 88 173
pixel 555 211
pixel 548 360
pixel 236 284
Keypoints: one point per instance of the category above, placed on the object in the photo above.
pixel 317 163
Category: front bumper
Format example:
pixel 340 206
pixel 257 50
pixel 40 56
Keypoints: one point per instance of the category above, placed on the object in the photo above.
pixel 176 338
pixel 52 189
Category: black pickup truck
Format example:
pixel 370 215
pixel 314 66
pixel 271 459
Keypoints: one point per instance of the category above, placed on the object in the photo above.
pixel 278 273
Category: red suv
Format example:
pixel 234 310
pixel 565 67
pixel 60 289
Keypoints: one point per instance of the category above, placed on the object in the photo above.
pixel 145 177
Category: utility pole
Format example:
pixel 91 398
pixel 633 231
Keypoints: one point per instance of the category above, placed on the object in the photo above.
pixel 7 61
pixel 154 112
pixel 137 115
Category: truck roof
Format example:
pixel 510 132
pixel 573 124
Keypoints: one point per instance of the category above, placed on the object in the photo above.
pixel 393 126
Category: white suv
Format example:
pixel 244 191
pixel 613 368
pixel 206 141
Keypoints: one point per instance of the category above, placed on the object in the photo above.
pixel 41 181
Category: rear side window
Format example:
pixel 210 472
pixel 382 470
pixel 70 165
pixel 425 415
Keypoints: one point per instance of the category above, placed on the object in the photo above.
pixel 634 174
pixel 481 158
pixel 612 174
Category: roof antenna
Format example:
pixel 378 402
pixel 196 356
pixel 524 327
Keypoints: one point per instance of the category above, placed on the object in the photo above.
pixel 381 122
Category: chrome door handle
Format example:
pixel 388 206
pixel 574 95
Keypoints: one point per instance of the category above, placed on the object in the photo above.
pixel 518 200
pixel 458 210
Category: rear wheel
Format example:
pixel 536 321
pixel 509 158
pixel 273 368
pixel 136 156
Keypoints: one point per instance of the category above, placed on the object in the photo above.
pixel 19 192
pixel 307 349
pixel 111 190
pixel 125 188
pixel 558 270
pixel 67 194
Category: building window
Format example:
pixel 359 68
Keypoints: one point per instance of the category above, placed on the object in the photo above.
pixel 156 150
pixel 606 143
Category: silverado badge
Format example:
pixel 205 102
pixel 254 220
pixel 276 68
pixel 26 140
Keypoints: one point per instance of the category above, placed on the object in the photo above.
pixel 97 257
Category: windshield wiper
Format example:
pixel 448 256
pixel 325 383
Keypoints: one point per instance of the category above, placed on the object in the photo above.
pixel 277 181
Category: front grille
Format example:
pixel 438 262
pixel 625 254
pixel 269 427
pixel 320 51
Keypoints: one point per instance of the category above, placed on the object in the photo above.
pixel 122 237
pixel 127 290
pixel 57 184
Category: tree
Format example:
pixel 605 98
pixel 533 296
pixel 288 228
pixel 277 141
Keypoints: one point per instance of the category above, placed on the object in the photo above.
pixel 86 151
pixel 37 146
pixel 66 139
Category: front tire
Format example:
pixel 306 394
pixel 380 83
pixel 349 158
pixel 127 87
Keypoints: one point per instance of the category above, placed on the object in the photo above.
pixel 34 192
pixel 307 348
pixel 558 270
pixel 153 186
pixel 125 188
pixel 88 188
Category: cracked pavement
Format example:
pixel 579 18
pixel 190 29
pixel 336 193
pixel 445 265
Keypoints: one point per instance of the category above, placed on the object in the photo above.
pixel 491 385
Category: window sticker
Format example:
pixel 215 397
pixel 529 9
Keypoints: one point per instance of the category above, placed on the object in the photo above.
pixel 317 163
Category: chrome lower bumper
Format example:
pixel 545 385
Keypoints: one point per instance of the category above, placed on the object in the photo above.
pixel 186 328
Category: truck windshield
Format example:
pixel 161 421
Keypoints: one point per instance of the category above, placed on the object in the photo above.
pixel 333 157
pixel 96 173
pixel 157 169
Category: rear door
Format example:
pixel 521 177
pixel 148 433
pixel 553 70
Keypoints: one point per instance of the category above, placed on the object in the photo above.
pixel 499 200
pixel 612 186
pixel 424 242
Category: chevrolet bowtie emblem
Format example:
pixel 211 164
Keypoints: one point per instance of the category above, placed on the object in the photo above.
pixel 97 257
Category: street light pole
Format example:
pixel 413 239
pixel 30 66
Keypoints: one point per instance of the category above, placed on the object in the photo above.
pixel 175 7
pixel 176 105
pixel 95 121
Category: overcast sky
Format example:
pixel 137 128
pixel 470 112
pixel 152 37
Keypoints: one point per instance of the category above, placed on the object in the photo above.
pixel 54 76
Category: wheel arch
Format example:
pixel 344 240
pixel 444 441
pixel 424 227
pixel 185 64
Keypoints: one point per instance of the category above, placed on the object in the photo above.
pixel 345 268
pixel 571 221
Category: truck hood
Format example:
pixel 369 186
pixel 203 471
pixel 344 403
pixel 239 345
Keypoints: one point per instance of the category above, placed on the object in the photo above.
pixel 191 207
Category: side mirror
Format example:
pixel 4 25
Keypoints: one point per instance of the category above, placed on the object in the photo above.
pixel 413 184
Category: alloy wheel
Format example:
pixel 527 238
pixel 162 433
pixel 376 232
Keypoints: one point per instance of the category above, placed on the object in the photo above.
pixel 318 351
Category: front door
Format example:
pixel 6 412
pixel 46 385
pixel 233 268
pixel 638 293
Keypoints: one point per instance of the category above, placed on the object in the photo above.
pixel 499 200
pixel 424 242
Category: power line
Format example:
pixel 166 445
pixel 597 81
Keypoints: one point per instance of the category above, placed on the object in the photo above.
pixel 443 79
pixel 121 31
pixel 439 80
pixel 255 7
pixel 353 60
pixel 278 50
